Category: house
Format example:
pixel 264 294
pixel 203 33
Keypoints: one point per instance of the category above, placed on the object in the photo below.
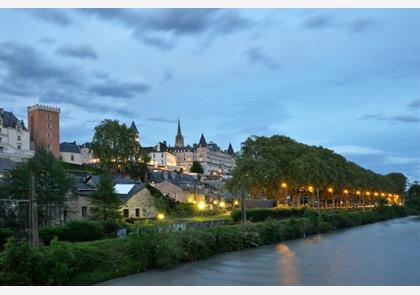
pixel 136 199
pixel 178 186
pixel 5 166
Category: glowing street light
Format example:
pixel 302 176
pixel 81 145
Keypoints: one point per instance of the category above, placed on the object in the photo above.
pixel 311 188
pixel 236 202
pixel 284 186
pixel 161 216
pixel 222 204
pixel 215 202
pixel 201 205
pixel 331 190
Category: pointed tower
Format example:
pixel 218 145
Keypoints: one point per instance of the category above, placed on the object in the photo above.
pixel 134 127
pixel 230 149
pixel 202 142
pixel 179 139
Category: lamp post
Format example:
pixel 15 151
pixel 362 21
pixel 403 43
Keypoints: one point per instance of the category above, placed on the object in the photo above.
pixel 284 186
pixel 311 190
pixel 346 197
pixel 331 190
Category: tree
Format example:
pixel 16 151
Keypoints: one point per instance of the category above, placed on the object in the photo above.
pixel 115 145
pixel 52 183
pixel 105 201
pixel 414 191
pixel 196 168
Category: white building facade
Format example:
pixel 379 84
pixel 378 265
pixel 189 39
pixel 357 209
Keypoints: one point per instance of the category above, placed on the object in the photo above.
pixel 14 138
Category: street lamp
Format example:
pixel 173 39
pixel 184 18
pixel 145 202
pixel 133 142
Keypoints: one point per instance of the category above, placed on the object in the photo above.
pixel 311 190
pixel 346 196
pixel 161 216
pixel 358 196
pixel 331 190
pixel 284 186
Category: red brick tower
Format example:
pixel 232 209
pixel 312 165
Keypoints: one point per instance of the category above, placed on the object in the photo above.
pixel 44 127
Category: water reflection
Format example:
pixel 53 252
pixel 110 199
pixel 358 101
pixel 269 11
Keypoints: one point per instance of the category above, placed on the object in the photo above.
pixel 287 264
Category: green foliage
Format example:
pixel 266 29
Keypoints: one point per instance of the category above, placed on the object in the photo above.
pixel 196 168
pixel 259 214
pixel 105 201
pixel 116 146
pixel 264 162
pixel 5 233
pixel 75 231
pixel 16 263
pixel 413 199
pixel 52 183
pixel 136 170
pixel 414 191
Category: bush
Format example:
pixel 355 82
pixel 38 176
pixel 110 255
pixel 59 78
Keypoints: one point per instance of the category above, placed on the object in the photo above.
pixel 5 233
pixel 16 263
pixel 338 219
pixel 197 244
pixel 250 235
pixel 228 239
pixel 168 251
pixel 76 231
pixel 259 214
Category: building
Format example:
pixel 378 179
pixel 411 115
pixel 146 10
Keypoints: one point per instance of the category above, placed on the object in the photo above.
pixel 178 186
pixel 213 159
pixel 71 152
pixel 134 127
pixel 136 199
pixel 179 139
pixel 14 138
pixel 161 157
pixel 44 127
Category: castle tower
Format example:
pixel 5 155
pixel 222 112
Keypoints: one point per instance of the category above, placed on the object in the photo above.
pixel 44 127
pixel 202 142
pixel 134 127
pixel 179 139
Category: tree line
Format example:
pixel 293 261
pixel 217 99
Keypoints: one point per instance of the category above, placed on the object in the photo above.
pixel 264 163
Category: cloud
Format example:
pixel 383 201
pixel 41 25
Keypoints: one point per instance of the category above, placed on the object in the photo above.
pixel 405 119
pixel 118 89
pixel 414 104
pixel 47 40
pixel 322 21
pixel 162 28
pixel 396 118
pixel 255 55
pixel 25 65
pixel 356 150
pixel 77 51
pixel 162 120
pixel 55 16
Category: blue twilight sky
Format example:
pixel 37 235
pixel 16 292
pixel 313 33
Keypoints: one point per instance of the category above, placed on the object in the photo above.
pixel 346 79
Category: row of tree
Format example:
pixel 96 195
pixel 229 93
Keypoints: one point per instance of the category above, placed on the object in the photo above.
pixel 263 163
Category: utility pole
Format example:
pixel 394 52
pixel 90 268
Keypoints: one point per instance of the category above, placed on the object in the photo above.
pixel 33 213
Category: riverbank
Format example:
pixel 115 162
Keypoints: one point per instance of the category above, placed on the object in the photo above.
pixel 358 256
pixel 89 263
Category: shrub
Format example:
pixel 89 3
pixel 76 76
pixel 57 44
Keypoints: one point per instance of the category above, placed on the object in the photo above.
pixel 16 263
pixel 269 231
pixel 249 234
pixel 5 233
pixel 197 244
pixel 338 219
pixel 168 251
pixel 228 239
pixel 259 214
pixel 75 231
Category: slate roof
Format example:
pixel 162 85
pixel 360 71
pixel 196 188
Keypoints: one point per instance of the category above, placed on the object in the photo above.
pixel 179 179
pixel 202 141
pixel 136 188
pixel 69 147
pixel 230 150
pixel 10 120
pixel 134 127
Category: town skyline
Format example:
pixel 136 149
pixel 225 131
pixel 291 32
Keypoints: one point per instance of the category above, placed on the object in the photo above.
pixel 228 74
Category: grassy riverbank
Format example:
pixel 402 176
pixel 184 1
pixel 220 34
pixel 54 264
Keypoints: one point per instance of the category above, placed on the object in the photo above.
pixel 87 263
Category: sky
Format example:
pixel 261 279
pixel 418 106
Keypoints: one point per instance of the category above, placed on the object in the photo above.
pixel 344 79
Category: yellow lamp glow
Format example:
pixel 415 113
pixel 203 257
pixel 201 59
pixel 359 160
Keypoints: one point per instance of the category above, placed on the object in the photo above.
pixel 161 216
pixel 357 192
pixel 330 190
pixel 222 204
pixel 283 185
pixel 310 188
pixel 201 205
pixel 236 202
pixel 215 202
pixel 346 191
pixel 367 193
pixel 375 194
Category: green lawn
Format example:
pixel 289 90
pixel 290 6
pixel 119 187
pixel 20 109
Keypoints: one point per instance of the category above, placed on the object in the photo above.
pixel 225 216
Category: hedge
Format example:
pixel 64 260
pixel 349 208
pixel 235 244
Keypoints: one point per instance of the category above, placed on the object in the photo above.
pixel 80 231
pixel 5 233
pixel 64 263
pixel 256 215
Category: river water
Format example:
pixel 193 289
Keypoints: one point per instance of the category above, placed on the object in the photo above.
pixel 385 253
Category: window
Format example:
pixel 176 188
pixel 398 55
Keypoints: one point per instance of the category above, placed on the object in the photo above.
pixel 0 139
pixel 1 149
pixel 19 147
pixel 49 135
pixel 72 158
pixel 84 211
pixel 19 139
pixel 49 117
pixel 125 213
pixel 49 125
pixel 137 212
pixel 49 147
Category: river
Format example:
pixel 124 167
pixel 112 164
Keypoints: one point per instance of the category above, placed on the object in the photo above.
pixel 385 253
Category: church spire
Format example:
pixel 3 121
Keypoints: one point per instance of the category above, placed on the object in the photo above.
pixel 230 150
pixel 179 139
pixel 202 142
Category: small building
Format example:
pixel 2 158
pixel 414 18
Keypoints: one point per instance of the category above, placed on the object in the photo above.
pixel 70 153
